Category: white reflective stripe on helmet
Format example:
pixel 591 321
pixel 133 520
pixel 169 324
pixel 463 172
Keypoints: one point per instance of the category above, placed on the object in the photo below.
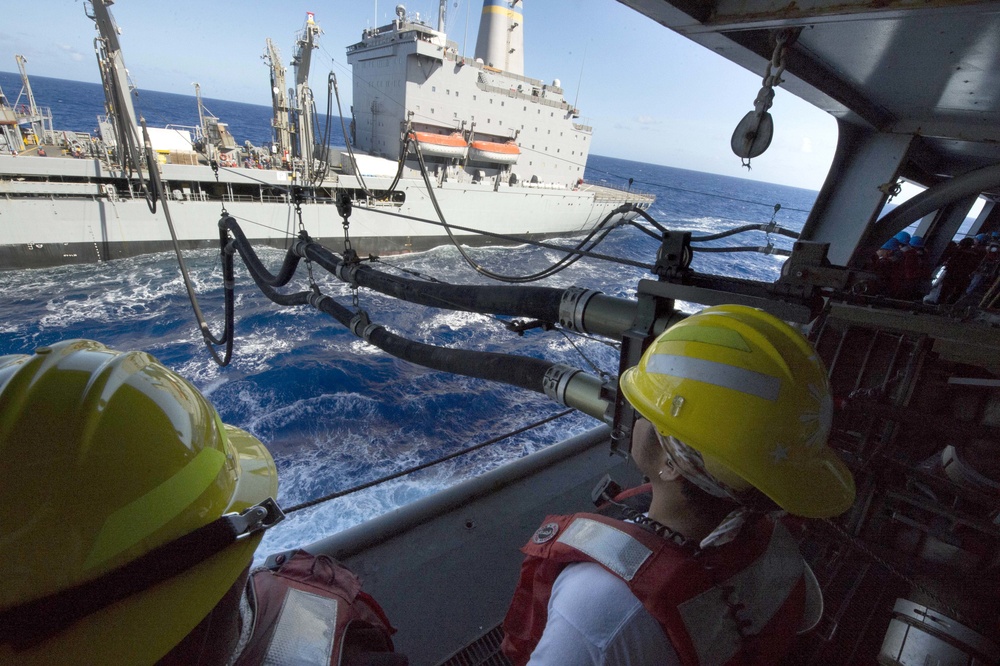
pixel 616 550
pixel 718 374
pixel 763 588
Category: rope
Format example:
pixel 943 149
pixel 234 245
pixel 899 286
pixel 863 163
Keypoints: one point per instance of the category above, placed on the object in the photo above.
pixel 417 468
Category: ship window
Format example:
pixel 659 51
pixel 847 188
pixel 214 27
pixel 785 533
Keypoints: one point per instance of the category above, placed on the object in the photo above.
pixel 558 151
pixel 550 131
pixel 487 121
pixel 473 98
pixel 501 103
pixel 456 93
pixel 432 109
pixel 525 108
pixel 491 100
pixel 560 133
pixel 455 114
pixel 447 91
pixel 552 114
pixel 500 122
pixel 434 89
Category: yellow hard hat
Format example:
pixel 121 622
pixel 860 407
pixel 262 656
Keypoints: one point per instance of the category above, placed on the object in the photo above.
pixel 104 457
pixel 749 393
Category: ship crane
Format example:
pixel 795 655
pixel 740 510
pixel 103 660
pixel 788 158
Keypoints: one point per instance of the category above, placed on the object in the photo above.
pixel 35 115
pixel 21 61
pixel 117 90
pixel 279 102
pixel 304 104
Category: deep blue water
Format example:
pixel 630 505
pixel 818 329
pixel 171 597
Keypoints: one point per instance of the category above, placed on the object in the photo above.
pixel 334 411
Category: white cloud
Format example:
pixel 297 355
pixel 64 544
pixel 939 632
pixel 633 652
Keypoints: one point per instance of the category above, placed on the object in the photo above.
pixel 71 52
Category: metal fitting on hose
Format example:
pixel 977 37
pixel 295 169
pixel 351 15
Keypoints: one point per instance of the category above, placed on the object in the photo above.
pixel 347 272
pixel 299 247
pixel 572 306
pixel 316 299
pixel 556 380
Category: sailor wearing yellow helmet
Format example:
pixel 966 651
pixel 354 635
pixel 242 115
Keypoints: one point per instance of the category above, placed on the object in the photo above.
pixel 736 411
pixel 130 518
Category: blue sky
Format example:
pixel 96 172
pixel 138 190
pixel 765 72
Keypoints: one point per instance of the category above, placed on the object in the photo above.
pixel 651 95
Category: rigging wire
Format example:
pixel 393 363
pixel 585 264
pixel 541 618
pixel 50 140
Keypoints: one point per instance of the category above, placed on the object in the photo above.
pixel 593 366
pixel 416 468
pixel 690 191
pixel 569 259
pixel 211 341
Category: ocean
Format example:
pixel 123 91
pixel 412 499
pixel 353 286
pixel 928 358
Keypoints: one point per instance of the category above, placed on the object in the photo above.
pixel 334 411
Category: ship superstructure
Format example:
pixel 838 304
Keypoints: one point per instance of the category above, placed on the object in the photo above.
pixel 408 74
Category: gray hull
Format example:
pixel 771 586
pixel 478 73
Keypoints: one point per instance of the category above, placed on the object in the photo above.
pixel 53 223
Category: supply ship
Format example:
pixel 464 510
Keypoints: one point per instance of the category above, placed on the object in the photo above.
pixel 502 154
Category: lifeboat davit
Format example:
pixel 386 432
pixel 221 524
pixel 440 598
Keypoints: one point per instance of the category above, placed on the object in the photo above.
pixel 441 145
pixel 492 151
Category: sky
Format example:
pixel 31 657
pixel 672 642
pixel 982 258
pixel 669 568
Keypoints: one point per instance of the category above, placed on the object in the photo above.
pixel 650 94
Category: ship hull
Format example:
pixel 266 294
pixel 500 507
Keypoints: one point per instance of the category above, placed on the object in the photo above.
pixel 49 229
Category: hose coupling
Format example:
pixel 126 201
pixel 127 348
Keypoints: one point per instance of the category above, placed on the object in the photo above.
pixel 572 306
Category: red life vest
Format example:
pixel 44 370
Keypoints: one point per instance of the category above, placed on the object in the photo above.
pixel 752 585
pixel 312 610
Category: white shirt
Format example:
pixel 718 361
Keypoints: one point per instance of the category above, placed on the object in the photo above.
pixel 586 601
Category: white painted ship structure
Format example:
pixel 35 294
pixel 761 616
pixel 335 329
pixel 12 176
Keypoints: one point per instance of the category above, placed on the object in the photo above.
pixel 504 153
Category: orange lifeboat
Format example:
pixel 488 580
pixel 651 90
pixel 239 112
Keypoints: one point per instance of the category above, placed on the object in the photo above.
pixel 441 145
pixel 492 151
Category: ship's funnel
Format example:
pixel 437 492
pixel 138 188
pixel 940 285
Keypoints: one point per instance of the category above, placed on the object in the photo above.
pixel 501 35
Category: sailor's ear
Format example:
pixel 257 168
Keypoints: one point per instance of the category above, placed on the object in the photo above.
pixel 668 471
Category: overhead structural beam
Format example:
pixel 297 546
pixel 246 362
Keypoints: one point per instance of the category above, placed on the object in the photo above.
pixel 728 15
pixel 850 199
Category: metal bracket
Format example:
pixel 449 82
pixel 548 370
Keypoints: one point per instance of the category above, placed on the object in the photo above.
pixel 674 255
pixel 263 516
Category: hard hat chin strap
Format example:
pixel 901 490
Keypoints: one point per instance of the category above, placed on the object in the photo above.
pixel 32 622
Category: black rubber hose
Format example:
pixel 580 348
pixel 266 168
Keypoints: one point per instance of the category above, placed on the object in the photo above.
pixel 260 279
pixel 253 262
pixel 540 303
pixel 521 371
pixel 745 227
